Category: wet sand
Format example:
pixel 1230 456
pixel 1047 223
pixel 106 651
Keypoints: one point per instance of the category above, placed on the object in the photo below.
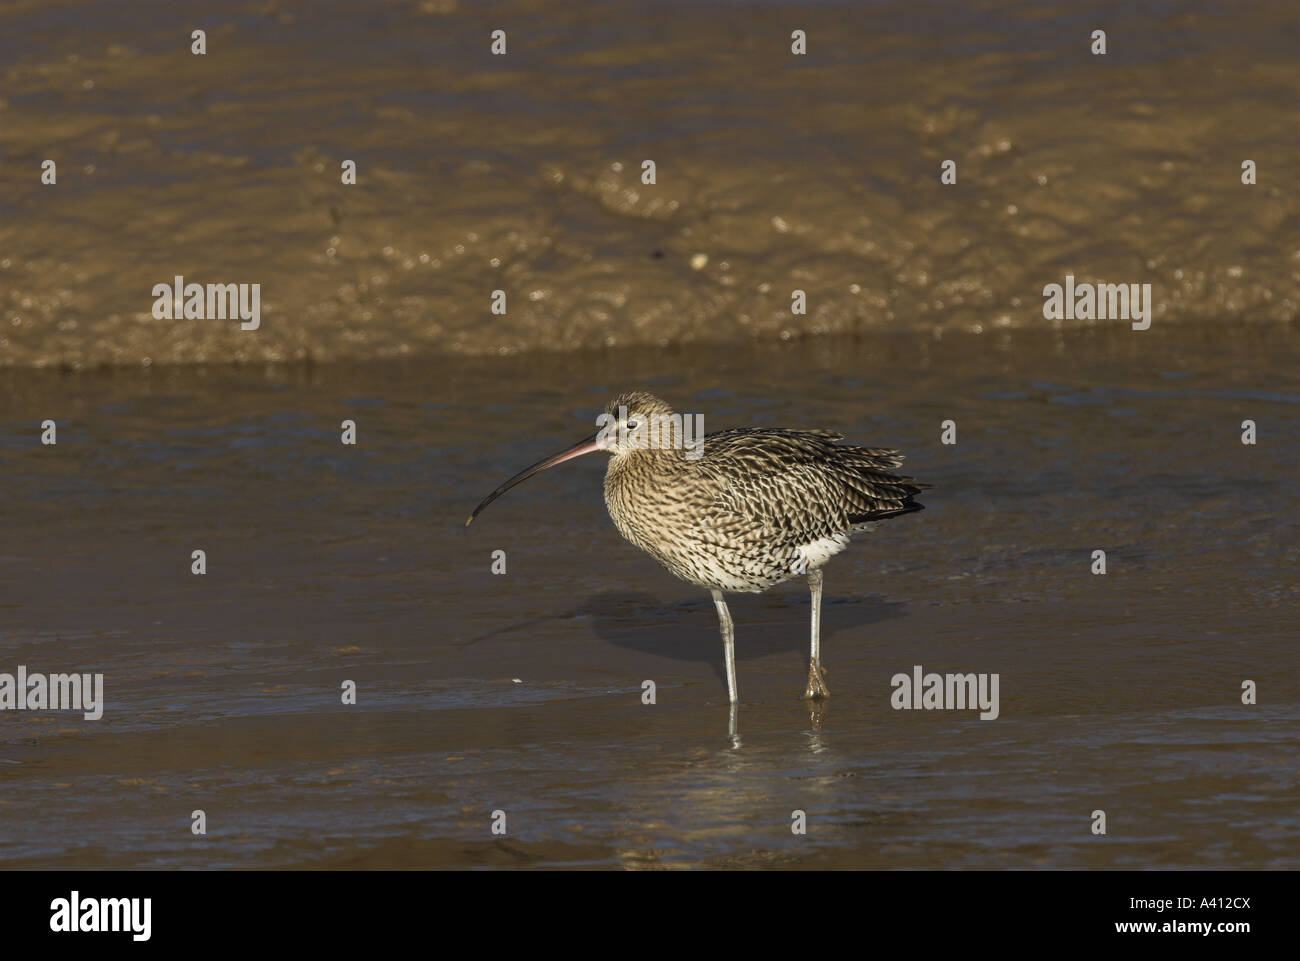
pixel 521 173
pixel 1118 692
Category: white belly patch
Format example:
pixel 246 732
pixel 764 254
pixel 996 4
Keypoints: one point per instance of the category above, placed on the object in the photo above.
pixel 814 555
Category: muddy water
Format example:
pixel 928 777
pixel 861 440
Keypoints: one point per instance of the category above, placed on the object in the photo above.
pixel 521 692
pixel 522 173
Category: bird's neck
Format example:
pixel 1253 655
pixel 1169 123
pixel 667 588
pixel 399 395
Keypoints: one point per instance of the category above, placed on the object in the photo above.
pixel 651 462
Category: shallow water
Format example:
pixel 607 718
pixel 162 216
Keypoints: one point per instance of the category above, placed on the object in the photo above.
pixel 521 692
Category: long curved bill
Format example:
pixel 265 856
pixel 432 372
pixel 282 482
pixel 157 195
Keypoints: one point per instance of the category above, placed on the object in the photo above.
pixel 585 446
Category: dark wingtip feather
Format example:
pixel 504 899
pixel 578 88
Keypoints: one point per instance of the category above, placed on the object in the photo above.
pixel 909 507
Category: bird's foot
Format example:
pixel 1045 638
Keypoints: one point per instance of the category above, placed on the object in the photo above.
pixel 817 689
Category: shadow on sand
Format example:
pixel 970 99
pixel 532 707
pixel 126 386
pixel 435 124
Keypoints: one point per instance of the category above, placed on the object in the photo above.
pixel 688 630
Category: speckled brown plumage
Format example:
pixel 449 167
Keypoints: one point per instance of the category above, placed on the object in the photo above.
pixel 758 507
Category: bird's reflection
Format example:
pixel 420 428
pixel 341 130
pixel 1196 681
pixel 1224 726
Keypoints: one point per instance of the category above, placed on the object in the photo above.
pixel 816 720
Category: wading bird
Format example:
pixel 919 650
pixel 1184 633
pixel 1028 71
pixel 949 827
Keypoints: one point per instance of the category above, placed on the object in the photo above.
pixel 754 508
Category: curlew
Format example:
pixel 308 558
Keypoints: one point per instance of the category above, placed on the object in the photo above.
pixel 753 508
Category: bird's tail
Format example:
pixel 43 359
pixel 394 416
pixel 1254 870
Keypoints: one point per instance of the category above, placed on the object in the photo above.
pixel 890 494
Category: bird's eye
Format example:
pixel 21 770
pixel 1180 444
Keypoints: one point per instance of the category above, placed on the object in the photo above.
pixel 632 424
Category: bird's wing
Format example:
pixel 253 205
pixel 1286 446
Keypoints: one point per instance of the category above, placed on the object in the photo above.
pixel 801 483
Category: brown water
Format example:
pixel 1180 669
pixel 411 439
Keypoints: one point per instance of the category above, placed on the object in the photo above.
pixel 521 692
pixel 521 173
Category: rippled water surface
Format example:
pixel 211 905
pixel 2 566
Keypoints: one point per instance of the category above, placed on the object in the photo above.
pixel 521 692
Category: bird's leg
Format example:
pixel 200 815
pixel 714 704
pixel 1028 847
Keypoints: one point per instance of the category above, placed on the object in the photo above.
pixel 728 643
pixel 817 688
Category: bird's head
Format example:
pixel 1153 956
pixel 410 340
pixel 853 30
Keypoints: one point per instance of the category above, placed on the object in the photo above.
pixel 632 421
pixel 635 421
